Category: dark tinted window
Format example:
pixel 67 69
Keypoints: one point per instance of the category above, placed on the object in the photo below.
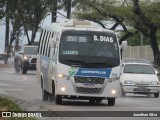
pixel 89 47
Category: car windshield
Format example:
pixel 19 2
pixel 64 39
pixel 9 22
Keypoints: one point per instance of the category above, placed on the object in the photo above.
pixel 138 69
pixel 90 49
pixel 30 50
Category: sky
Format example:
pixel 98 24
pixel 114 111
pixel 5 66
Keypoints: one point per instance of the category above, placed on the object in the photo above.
pixel 23 39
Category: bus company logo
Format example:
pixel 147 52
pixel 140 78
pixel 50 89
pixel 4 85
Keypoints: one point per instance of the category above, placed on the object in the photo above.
pixel 73 71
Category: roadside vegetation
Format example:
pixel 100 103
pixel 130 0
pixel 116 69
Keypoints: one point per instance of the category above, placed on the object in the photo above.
pixel 9 105
pixel 134 17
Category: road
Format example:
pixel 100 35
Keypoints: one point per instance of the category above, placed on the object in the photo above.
pixel 25 90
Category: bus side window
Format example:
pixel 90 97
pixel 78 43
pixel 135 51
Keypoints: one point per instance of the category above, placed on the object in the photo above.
pixel 42 41
pixel 45 43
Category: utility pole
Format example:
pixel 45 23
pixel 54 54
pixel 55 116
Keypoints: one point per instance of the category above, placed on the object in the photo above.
pixel 7 34
pixel 141 45
pixel 69 9
pixel 54 12
pixel 7 30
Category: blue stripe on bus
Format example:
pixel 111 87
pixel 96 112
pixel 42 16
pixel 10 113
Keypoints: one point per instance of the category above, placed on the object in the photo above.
pixel 95 72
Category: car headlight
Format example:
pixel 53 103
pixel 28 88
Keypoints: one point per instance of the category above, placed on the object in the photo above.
pixel 154 83
pixel 63 76
pixel 25 57
pixel 129 82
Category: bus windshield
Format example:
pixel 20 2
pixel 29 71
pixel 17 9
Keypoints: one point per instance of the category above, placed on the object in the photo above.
pixel 89 49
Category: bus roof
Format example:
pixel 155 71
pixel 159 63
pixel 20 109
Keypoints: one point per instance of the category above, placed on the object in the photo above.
pixel 70 24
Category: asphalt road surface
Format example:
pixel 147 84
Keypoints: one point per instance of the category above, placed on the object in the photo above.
pixel 26 91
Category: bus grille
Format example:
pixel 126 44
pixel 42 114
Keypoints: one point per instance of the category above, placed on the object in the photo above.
pixel 88 90
pixel 94 80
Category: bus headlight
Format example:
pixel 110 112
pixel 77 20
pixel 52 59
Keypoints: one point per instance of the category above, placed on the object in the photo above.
pixel 113 91
pixel 63 76
pixel 63 89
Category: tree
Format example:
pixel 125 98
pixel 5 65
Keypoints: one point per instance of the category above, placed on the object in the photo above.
pixel 31 13
pixel 129 14
pixel 105 10
pixel 146 21
pixel 24 16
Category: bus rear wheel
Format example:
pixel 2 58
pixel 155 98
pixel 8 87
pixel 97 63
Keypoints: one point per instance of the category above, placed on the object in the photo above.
pixel 111 101
pixel 58 99
pixel 45 95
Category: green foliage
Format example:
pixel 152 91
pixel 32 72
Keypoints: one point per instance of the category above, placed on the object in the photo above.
pixel 136 40
pixel 8 105
pixel 158 37
pixel 2 8
pixel 151 10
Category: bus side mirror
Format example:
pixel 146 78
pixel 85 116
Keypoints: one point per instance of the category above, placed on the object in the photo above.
pixel 124 45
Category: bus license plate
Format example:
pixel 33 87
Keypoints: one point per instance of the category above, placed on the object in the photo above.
pixel 89 85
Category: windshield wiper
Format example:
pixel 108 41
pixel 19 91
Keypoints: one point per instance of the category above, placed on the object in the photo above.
pixel 101 64
pixel 78 61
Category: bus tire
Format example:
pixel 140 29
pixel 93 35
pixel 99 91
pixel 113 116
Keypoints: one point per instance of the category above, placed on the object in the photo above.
pixel 58 99
pixel 45 95
pixel 111 101
pixel 52 96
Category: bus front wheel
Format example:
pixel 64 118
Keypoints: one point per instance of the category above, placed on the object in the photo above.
pixel 58 99
pixel 111 101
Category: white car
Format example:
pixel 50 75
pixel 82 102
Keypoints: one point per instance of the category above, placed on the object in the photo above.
pixel 135 60
pixel 139 78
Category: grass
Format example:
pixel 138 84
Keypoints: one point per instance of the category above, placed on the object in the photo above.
pixel 9 105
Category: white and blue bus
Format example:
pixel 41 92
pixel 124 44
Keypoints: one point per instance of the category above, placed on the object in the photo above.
pixel 77 59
